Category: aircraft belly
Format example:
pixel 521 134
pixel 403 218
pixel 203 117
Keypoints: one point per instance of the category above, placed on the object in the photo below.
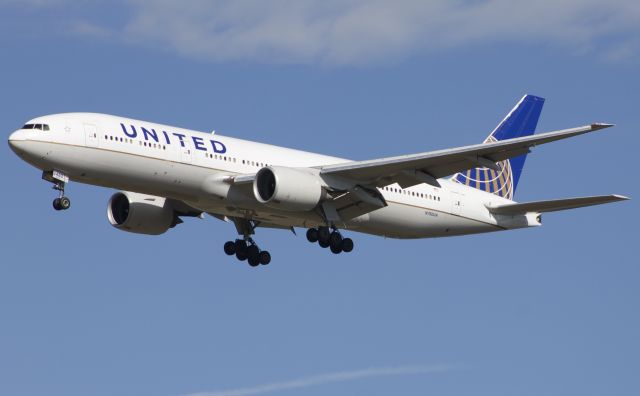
pixel 407 222
pixel 154 176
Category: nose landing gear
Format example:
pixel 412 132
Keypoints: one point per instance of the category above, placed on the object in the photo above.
pixel 59 181
pixel 62 203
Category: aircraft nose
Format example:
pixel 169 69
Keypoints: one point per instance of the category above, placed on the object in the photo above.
pixel 15 138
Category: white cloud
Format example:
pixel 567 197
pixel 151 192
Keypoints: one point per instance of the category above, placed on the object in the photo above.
pixel 326 379
pixel 346 32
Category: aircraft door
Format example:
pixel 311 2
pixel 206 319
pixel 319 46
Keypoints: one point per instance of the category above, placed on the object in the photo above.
pixel 457 200
pixel 90 135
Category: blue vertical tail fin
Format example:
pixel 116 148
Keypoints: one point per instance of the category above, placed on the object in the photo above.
pixel 521 121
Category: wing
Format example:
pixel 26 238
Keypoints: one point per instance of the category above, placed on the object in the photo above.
pixel 554 205
pixel 408 170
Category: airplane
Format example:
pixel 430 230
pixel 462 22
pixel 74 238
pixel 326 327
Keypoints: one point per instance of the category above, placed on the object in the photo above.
pixel 165 173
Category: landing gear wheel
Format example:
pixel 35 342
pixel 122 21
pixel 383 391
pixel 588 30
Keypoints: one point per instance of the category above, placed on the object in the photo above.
pixel 312 235
pixel 335 242
pixel 347 245
pixel 254 261
pixel 323 244
pixel 56 204
pixel 65 203
pixel 241 245
pixel 230 248
pixel 252 254
pixel 264 257
pixel 241 249
pixel 335 239
pixel 323 235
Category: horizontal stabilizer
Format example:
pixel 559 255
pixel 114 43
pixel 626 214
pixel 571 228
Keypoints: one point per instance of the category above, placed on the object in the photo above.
pixel 554 205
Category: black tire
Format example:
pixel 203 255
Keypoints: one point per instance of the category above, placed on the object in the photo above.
pixel 324 235
pixel 335 249
pixel 56 204
pixel 254 261
pixel 241 255
pixel 335 239
pixel 241 246
pixel 347 245
pixel 323 244
pixel 252 253
pixel 230 248
pixel 265 257
pixel 65 203
pixel 312 235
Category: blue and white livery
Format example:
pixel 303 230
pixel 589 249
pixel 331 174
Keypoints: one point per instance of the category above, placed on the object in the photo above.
pixel 166 173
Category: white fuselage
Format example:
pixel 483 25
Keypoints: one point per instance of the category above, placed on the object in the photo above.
pixel 176 163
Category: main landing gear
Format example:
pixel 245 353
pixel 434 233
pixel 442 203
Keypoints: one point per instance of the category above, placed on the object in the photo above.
pixel 247 249
pixel 330 239
pixel 59 181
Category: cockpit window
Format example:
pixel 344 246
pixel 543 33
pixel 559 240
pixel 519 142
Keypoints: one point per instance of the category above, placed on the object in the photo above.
pixel 42 127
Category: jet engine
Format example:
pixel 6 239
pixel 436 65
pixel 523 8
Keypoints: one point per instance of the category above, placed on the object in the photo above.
pixel 140 213
pixel 290 189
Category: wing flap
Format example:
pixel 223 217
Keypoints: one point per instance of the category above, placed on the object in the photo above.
pixel 554 205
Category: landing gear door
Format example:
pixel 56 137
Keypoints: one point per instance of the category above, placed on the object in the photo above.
pixel 90 135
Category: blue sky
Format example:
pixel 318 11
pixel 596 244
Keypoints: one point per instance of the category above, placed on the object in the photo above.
pixel 88 310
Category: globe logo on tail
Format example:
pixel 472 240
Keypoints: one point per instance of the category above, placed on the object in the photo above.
pixel 496 182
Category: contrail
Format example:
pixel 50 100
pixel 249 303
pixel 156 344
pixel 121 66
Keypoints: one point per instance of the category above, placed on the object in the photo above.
pixel 328 378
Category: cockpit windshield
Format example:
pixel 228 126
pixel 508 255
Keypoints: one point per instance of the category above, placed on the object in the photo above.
pixel 42 127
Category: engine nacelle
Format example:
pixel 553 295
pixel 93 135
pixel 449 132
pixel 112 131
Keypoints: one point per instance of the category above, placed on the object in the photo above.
pixel 140 213
pixel 290 189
